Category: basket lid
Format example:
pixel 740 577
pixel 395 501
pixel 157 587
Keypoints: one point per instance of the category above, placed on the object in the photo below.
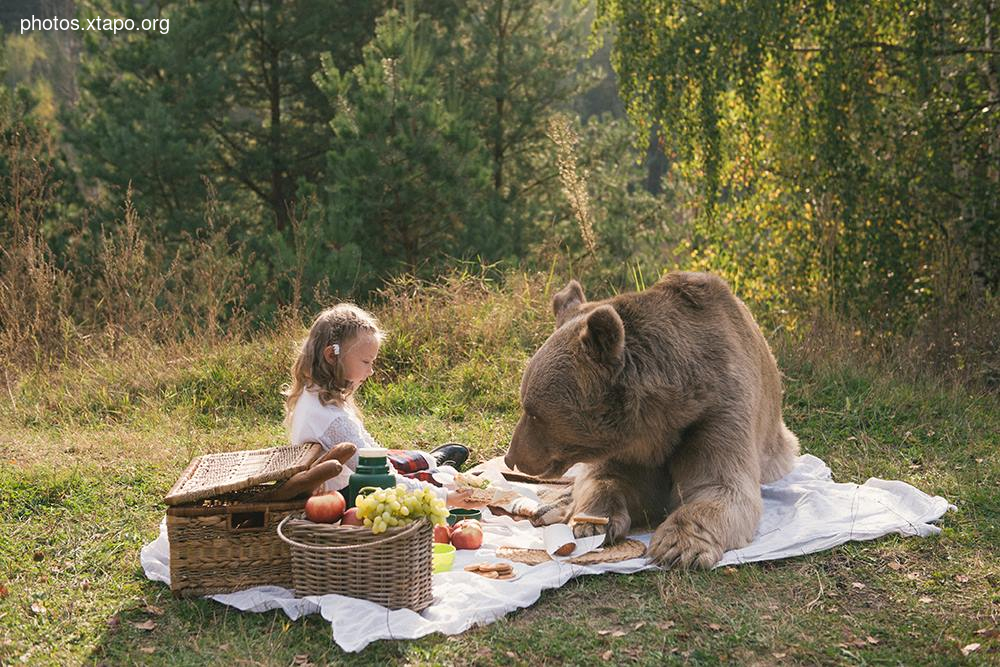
pixel 212 475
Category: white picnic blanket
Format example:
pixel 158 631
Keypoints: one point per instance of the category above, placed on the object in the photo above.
pixel 804 512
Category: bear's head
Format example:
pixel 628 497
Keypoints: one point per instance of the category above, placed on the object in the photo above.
pixel 570 400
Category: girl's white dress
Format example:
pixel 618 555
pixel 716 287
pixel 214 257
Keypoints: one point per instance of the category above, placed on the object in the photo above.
pixel 332 424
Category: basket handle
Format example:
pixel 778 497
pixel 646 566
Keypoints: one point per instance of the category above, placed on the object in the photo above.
pixel 409 529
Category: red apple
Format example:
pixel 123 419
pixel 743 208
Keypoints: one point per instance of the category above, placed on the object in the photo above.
pixel 351 518
pixel 467 534
pixel 442 535
pixel 326 507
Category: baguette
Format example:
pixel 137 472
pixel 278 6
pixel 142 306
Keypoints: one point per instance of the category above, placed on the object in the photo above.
pixel 304 482
pixel 341 452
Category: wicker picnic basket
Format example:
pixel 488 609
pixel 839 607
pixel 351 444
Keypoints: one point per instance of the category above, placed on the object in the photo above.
pixel 392 569
pixel 222 538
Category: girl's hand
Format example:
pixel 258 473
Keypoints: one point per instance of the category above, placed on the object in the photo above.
pixel 460 498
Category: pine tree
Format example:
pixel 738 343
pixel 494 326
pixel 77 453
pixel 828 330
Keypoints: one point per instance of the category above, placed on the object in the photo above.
pixel 406 171
pixel 226 94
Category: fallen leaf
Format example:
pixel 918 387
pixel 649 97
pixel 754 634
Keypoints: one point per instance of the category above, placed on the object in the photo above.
pixel 606 655
pixel 730 571
pixel 604 632
pixel 925 599
pixel 510 654
pixel 223 647
pixel 113 622
pixel 988 632
pixel 638 625
pixel 858 585
pixel 871 640
pixel 145 625
pixel 3 591
pixel 618 633
pixel 969 648
pixel 778 656
pixel 147 649
pixel 894 565
pixel 153 609
pixel 715 627
pixel 37 608
pixel 665 625
pixel 38 556
pixel 961 578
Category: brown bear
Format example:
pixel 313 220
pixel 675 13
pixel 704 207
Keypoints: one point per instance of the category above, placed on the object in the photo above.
pixel 673 399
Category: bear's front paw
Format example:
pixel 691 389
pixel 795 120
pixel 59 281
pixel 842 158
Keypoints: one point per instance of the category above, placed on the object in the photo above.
pixel 549 513
pixel 682 541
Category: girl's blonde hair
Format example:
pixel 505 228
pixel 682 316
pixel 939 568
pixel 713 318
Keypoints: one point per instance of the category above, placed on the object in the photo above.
pixel 339 325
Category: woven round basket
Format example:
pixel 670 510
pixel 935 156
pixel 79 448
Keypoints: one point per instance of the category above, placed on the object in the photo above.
pixel 392 569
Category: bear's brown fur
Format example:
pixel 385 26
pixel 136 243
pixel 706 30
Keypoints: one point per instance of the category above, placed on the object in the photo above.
pixel 673 399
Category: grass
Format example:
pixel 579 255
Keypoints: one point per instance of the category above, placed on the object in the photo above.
pixel 89 452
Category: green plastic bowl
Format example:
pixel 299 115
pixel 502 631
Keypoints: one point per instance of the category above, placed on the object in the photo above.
pixel 442 558
pixel 458 514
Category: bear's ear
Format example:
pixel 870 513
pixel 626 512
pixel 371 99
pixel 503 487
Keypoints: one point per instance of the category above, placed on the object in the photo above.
pixel 567 301
pixel 604 335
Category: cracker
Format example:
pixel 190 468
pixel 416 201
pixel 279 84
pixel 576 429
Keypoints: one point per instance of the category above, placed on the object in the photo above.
pixel 491 496
pixel 474 567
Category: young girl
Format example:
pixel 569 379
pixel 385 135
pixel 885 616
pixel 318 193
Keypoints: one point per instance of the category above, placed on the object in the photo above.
pixel 335 359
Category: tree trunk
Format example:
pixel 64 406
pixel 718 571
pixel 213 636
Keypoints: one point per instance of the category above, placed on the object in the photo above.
pixel 279 201
pixel 498 134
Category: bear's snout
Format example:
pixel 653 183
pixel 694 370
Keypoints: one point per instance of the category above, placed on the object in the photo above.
pixel 515 457
pixel 527 452
pixel 509 460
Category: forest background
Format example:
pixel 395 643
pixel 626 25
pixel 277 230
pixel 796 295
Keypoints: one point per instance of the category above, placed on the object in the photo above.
pixel 839 165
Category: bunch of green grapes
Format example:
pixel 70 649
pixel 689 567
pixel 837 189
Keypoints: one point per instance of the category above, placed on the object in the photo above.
pixel 388 508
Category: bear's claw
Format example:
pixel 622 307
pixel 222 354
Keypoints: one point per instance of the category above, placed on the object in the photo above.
pixel 680 544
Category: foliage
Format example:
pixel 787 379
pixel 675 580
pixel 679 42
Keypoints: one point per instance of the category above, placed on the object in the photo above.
pixel 405 171
pixel 845 154
pixel 225 100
